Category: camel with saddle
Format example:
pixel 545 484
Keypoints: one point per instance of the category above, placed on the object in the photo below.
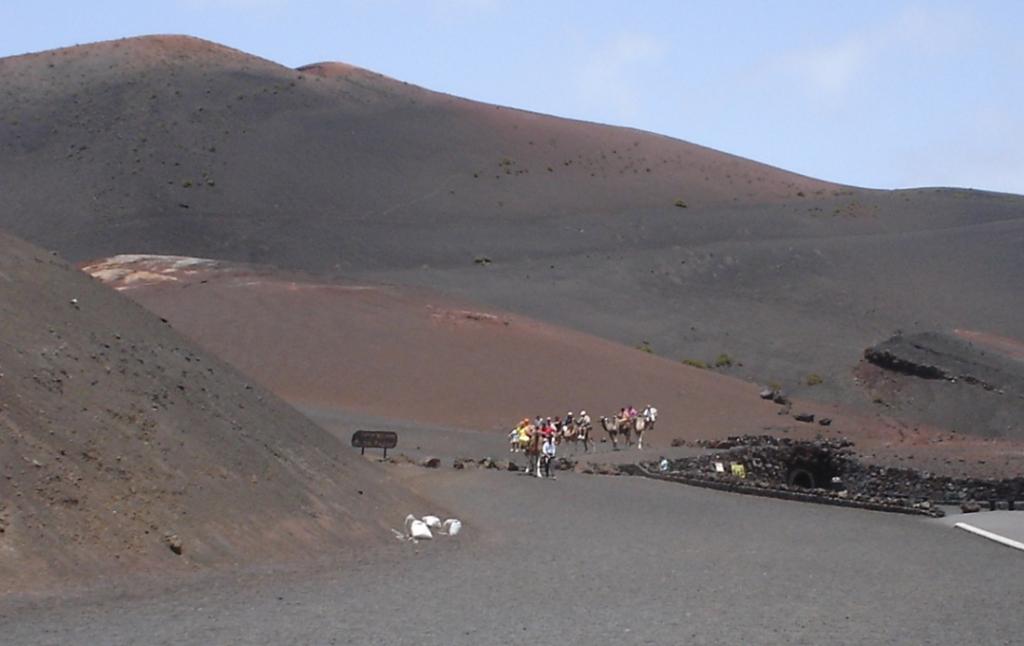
pixel 577 432
pixel 625 426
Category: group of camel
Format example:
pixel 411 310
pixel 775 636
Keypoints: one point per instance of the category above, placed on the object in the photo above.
pixel 626 426
pixel 529 439
pixel 623 426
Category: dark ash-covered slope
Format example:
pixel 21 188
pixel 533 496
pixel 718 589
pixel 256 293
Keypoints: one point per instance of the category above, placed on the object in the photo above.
pixel 119 440
pixel 176 145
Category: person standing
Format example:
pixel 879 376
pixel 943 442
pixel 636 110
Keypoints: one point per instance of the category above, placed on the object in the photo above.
pixel 548 452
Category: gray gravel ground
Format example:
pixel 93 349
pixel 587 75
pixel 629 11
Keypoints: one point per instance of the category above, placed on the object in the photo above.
pixel 590 559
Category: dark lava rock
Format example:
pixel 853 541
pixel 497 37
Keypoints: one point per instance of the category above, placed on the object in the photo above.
pixel 970 507
pixel 430 463
pixel 804 417
pixel 767 393
pixel 825 421
pixel 174 543
pixel 564 464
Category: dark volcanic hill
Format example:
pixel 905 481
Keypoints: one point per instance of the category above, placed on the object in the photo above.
pixel 183 146
pixel 172 145
pixel 119 439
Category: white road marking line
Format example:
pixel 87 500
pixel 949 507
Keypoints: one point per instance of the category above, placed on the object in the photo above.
pixel 1009 542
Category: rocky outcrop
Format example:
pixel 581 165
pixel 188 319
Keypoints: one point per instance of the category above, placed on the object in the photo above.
pixel 931 355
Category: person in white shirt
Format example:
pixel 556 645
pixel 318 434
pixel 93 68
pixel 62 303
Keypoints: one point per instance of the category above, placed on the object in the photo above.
pixel 650 415
pixel 548 451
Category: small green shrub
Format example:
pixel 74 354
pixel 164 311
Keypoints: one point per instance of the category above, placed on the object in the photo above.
pixel 723 361
pixel 681 204
pixel 696 363
pixel 814 379
pixel 645 346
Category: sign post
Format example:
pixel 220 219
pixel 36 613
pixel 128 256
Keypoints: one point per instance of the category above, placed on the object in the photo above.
pixel 363 440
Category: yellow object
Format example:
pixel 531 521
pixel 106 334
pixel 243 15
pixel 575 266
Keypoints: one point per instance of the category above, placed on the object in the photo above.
pixel 739 470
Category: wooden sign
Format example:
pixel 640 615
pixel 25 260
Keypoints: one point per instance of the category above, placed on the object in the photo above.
pixel 363 440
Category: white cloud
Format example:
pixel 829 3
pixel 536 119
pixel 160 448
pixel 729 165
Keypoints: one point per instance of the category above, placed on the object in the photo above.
pixel 607 79
pixel 833 69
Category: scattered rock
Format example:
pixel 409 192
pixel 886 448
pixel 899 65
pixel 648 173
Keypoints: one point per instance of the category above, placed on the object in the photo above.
pixel 767 393
pixel 464 463
pixel 825 421
pixel 430 463
pixel 174 543
pixel 677 441
pixel 606 469
pixel 970 507
pixel 564 464
pixel 804 417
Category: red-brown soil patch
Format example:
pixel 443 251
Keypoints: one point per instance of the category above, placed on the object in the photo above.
pixel 416 355
pixel 1012 348
pixel 411 354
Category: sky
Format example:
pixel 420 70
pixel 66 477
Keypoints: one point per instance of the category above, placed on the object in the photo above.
pixel 880 94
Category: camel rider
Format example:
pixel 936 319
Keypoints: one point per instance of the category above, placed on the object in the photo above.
pixel 584 420
pixel 570 424
pixel 523 433
pixel 650 415
pixel 632 413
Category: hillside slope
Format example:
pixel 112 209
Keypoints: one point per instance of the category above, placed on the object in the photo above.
pixel 175 145
pixel 394 357
pixel 413 354
pixel 119 439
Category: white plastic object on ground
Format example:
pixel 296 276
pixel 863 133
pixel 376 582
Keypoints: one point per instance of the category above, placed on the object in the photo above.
pixel 452 526
pixel 432 522
pixel 419 530
pixel 416 529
